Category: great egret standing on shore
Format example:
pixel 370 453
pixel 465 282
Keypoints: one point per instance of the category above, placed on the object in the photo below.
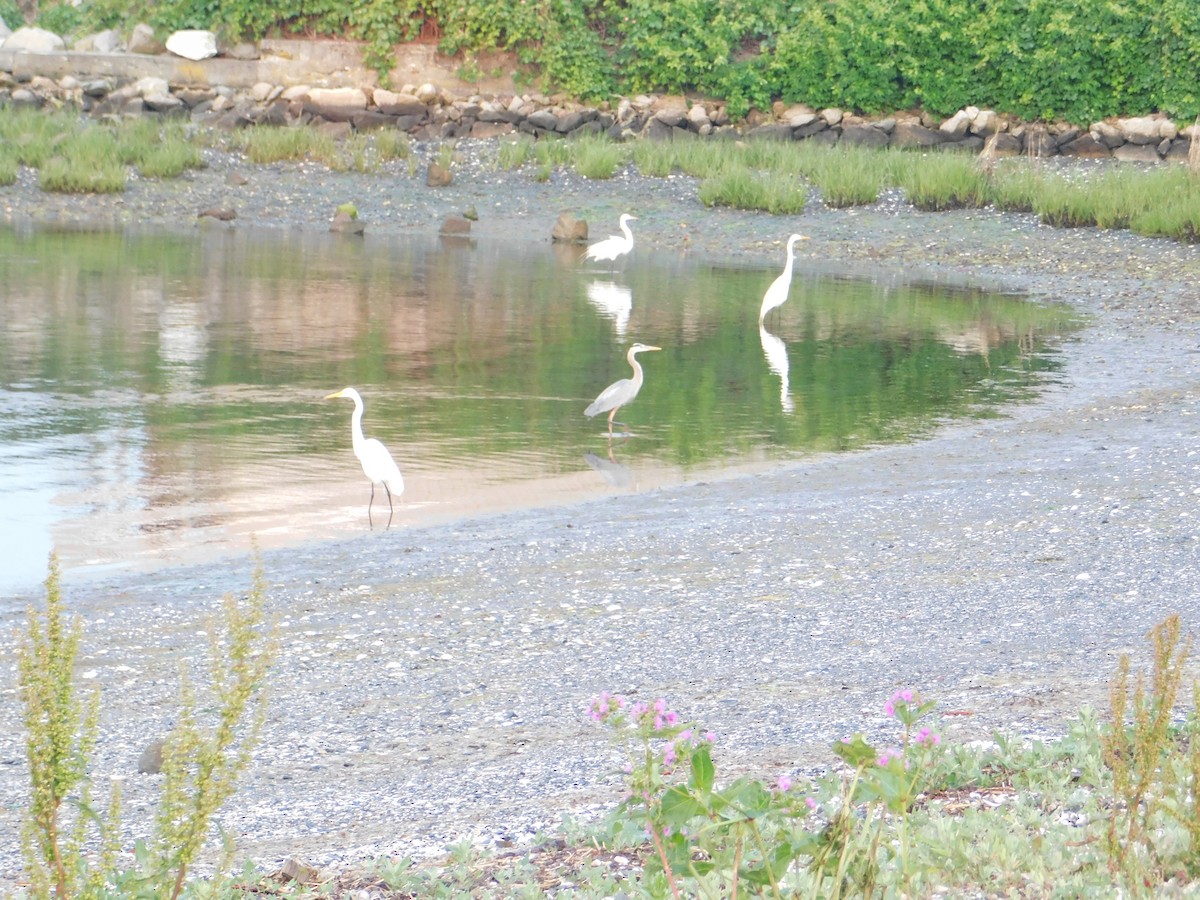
pixel 620 392
pixel 615 245
pixel 777 293
pixel 377 462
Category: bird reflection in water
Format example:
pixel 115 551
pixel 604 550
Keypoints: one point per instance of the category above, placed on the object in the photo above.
pixel 613 301
pixel 613 473
pixel 775 351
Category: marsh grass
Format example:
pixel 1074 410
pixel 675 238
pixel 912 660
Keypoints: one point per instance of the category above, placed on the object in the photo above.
pixel 514 154
pixel 937 182
pixel 743 188
pixel 597 158
pixel 1015 186
pixel 847 177
pixel 269 144
pixel 8 166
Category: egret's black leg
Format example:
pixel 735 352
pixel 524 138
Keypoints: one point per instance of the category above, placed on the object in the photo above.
pixel 370 521
pixel 391 510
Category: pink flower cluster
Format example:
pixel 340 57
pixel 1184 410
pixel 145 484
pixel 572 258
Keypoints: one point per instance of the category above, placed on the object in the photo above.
pixel 905 696
pixel 887 754
pixel 925 736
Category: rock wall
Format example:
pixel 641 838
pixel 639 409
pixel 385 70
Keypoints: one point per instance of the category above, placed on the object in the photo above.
pixel 324 84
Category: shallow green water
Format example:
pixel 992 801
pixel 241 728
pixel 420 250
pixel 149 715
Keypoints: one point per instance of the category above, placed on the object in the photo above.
pixel 161 396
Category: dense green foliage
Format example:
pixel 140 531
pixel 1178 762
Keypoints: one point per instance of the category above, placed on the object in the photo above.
pixel 1039 59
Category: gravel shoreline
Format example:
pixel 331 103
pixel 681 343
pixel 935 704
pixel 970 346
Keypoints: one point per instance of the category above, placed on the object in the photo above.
pixel 432 682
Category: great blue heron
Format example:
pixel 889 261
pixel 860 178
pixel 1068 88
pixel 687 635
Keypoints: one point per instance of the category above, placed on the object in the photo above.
pixel 612 247
pixel 777 293
pixel 377 462
pixel 620 392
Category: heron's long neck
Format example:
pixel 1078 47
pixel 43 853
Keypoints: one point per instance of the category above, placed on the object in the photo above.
pixel 356 431
pixel 637 368
pixel 628 233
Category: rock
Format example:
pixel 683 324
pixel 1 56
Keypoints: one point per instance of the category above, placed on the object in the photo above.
pixel 569 230
pixel 1146 129
pixel 1003 144
pixel 544 119
pixel 25 97
pixel 142 40
pixel 438 175
pixel 236 179
pixel 162 103
pixel 398 104
pixel 1040 142
pixel 800 119
pixel 108 42
pixel 5 31
pixel 221 214
pixel 671 116
pixel 34 40
pixel 864 136
pixel 294 870
pixel 428 94
pixel 986 123
pixel 491 129
pixel 832 115
pixel 770 131
pixel 909 134
pixel 806 131
pixel 295 92
pixel 1085 147
pixel 243 50
pixel 1131 152
pixel 455 226
pixel 150 85
pixel 956 127
pixel 573 121
pixel 336 104
pixel 345 221
pixel 97 87
pixel 193 43
pixel 698 116
pixel 1108 135
pixel 471 214
pixel 151 760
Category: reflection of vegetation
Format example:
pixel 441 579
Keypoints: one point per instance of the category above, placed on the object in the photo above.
pixel 285 318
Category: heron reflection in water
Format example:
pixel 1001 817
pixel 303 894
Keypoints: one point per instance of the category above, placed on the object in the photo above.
pixel 775 351
pixel 620 392
pixel 614 473
pixel 377 463
pixel 613 301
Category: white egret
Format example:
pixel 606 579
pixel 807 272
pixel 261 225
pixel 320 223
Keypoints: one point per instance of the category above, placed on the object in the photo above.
pixel 377 462
pixel 777 293
pixel 620 392
pixel 615 245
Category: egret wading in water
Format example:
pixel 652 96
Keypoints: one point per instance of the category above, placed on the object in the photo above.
pixel 777 293
pixel 377 462
pixel 615 245
pixel 620 392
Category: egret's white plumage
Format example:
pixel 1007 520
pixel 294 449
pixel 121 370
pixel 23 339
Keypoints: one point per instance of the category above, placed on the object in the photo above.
pixel 615 245
pixel 777 293
pixel 377 462
pixel 620 392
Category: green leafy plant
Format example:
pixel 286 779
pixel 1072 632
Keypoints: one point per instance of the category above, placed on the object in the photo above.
pixel 60 733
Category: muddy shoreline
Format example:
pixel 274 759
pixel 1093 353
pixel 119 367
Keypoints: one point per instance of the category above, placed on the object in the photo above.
pixel 433 681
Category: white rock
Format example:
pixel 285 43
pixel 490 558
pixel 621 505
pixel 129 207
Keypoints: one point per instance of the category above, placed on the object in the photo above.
pixel 34 40
pixel 427 93
pixel 800 119
pixel 394 104
pixel 193 43
pixel 107 41
pixel 151 86
pixel 985 122
pixel 957 125
pixel 68 83
pixel 698 115
pixel 832 116
pixel 296 92
pixel 261 91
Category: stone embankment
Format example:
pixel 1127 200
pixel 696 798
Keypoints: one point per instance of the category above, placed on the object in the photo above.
pixel 325 84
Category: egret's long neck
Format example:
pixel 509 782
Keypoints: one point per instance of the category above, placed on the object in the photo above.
pixel 628 233
pixel 356 424
pixel 787 268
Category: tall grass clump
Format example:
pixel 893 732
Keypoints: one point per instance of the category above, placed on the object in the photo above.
pixel 846 176
pixel 8 167
pixel 87 161
pixel 268 144
pixel 597 158
pixel 60 733
pixel 656 159
pixel 203 756
pixel 1170 204
pixel 742 188
pixel 515 153
pixel 937 182
pixel 1015 186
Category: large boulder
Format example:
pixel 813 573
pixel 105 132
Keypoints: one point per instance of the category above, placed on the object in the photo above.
pixel 336 104
pixel 910 134
pixel 142 40
pixel 193 43
pixel 34 40
pixel 1147 129
pixel 398 104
